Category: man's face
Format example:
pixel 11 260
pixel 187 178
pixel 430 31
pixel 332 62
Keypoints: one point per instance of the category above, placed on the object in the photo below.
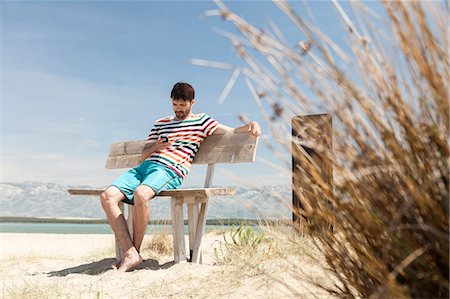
pixel 182 108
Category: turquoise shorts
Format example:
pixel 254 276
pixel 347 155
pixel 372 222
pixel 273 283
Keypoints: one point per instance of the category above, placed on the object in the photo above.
pixel 156 176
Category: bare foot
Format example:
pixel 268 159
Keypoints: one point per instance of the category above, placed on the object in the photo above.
pixel 132 259
pixel 116 264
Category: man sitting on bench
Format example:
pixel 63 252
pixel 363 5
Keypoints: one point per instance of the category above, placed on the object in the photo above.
pixel 166 160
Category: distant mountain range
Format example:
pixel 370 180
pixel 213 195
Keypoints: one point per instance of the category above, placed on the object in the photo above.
pixel 35 199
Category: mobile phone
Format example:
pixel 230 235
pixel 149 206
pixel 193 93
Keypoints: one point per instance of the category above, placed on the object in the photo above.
pixel 165 138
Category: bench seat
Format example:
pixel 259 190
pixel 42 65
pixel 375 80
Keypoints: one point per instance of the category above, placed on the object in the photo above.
pixel 189 192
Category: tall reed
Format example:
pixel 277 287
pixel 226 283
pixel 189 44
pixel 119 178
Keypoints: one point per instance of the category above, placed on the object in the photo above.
pixel 387 91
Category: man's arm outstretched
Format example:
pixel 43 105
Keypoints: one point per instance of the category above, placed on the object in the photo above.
pixel 252 127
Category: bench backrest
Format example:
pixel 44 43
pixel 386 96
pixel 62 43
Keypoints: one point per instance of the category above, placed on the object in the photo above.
pixel 221 148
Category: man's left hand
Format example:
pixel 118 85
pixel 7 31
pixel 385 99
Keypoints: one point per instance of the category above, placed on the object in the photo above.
pixel 254 128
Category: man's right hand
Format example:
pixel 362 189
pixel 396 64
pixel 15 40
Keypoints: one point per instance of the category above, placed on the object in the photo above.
pixel 160 144
pixel 152 147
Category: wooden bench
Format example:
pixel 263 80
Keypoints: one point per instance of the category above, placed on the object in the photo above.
pixel 224 148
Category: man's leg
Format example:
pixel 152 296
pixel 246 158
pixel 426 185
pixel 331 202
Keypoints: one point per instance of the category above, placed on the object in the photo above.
pixel 110 199
pixel 141 215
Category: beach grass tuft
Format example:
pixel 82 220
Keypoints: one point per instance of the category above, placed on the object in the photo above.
pixel 159 245
pixel 382 223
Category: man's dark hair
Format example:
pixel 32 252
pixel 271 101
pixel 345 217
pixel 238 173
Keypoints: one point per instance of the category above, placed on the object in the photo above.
pixel 182 91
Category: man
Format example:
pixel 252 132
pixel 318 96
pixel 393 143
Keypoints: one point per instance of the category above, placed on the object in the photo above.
pixel 167 157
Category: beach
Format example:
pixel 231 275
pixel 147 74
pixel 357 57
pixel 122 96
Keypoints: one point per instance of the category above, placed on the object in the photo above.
pixel 78 266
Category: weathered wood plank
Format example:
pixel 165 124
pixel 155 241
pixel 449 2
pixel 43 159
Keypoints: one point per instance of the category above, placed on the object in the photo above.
pixel 176 245
pixel 226 154
pixel 201 192
pixel 178 230
pixel 127 148
pixel 196 250
pixel 192 226
pixel 85 191
pixel 123 161
pixel 209 175
pixel 222 148
pixel 192 200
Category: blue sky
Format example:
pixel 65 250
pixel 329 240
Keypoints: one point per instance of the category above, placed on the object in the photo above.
pixel 77 76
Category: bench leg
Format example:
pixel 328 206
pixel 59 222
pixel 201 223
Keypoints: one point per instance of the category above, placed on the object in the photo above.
pixel 119 252
pixel 179 249
pixel 199 231
pixel 192 225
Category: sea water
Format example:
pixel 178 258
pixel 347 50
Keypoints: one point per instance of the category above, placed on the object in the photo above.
pixel 84 228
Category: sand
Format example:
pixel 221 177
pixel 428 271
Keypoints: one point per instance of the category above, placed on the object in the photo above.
pixel 77 266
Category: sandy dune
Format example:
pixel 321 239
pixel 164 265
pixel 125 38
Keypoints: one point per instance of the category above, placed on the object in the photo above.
pixel 77 266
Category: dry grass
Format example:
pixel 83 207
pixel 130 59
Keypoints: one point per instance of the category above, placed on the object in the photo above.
pixel 246 246
pixel 382 225
pixel 274 257
pixel 160 245
pixel 242 247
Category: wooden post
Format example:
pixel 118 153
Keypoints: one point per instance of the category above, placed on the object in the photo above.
pixel 196 250
pixel 209 175
pixel 311 143
pixel 179 249
pixel 192 226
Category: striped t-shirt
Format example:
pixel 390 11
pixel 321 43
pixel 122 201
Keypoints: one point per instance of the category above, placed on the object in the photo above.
pixel 186 137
